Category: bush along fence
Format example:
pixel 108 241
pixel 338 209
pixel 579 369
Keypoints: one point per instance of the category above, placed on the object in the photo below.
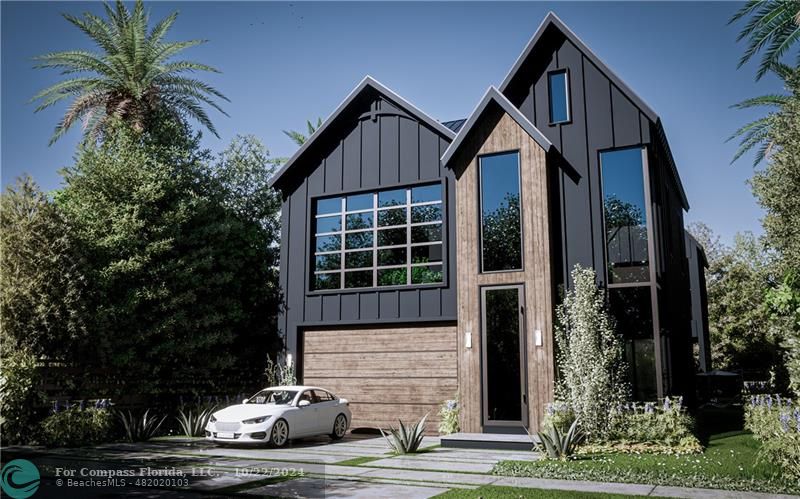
pixel 775 422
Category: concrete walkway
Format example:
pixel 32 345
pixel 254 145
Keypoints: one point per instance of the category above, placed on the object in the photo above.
pixel 312 464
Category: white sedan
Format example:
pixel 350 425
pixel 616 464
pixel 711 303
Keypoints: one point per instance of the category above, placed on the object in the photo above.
pixel 281 413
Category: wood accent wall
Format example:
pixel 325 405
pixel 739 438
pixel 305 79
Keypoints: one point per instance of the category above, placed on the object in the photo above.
pixel 498 134
pixel 385 373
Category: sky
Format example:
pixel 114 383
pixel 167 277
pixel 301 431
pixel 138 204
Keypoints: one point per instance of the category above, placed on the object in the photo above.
pixel 284 63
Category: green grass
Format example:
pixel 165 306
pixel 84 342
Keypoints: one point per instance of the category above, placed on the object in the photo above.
pixel 492 492
pixel 729 462
pixel 358 461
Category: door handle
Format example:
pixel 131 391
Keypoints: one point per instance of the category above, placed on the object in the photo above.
pixel 524 399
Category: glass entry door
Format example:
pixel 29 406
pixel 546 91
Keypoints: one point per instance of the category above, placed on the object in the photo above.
pixel 504 386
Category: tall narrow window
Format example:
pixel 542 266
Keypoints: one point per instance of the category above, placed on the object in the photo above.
pixel 558 85
pixel 501 229
pixel 625 216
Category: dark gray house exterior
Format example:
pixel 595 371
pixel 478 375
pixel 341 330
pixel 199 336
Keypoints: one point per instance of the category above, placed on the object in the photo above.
pixel 422 258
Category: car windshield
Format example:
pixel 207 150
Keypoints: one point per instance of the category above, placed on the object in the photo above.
pixel 277 397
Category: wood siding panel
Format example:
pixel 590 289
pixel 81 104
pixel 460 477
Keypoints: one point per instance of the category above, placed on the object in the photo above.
pixel 385 373
pixel 495 136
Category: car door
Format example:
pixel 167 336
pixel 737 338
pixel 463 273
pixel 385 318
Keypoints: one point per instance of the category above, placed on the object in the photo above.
pixel 327 410
pixel 305 417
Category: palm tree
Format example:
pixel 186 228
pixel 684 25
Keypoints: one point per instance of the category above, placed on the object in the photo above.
pixel 759 132
pixel 774 27
pixel 132 76
pixel 300 138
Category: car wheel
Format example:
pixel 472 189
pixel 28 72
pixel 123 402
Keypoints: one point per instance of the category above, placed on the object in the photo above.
pixel 280 433
pixel 339 427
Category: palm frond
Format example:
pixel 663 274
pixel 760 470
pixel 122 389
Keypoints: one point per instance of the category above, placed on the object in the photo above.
pixel 772 27
pixel 777 100
pixel 297 137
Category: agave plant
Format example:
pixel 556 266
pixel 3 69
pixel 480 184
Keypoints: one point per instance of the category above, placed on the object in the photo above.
pixel 140 428
pixel 557 445
pixel 406 439
pixel 193 423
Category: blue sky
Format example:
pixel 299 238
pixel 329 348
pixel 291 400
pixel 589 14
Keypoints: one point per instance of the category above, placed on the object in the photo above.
pixel 283 63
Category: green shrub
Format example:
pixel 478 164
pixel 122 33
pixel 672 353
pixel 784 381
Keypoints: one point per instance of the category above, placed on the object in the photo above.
pixel 193 422
pixel 75 427
pixel 557 445
pixel 775 422
pixel 22 402
pixel 449 413
pixel 648 427
pixel 140 428
pixel 590 355
pixel 406 439
pixel 558 415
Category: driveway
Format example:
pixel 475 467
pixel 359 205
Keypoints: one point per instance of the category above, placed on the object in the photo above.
pixel 356 467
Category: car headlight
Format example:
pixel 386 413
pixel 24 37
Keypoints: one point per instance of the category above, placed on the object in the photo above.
pixel 212 419
pixel 256 420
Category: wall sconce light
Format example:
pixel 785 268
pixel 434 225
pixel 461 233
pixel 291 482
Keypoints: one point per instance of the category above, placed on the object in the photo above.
pixel 468 339
pixel 537 337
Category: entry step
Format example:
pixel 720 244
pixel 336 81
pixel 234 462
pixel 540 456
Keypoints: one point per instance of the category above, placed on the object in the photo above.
pixel 499 441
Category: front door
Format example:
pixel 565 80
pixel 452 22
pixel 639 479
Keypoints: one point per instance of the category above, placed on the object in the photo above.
pixel 505 405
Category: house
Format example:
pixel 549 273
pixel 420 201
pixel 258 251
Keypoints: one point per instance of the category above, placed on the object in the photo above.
pixel 422 259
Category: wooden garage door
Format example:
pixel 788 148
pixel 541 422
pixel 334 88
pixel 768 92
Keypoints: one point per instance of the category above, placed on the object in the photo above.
pixel 387 374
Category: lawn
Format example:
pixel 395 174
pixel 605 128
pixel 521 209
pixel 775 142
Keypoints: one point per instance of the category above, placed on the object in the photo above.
pixel 729 462
pixel 492 492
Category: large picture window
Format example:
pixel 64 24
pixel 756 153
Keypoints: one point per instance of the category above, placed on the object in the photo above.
pixel 625 216
pixel 501 229
pixel 386 238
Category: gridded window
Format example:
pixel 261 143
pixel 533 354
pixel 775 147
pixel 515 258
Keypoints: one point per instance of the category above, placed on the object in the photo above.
pixel 386 238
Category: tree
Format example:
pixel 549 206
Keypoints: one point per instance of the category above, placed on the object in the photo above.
pixel 772 26
pixel 742 334
pixel 182 267
pixel 42 282
pixel 300 138
pixel 761 132
pixel 501 231
pixel 590 355
pixel 133 76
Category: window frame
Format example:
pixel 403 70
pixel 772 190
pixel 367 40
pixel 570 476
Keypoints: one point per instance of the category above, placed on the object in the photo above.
pixel 480 213
pixel 408 206
pixel 652 282
pixel 567 89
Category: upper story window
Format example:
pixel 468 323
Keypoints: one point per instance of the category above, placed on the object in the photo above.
pixel 385 238
pixel 501 228
pixel 625 210
pixel 558 90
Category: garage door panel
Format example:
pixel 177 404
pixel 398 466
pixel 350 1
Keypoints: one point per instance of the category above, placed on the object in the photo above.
pixel 394 340
pixel 386 373
pixel 412 391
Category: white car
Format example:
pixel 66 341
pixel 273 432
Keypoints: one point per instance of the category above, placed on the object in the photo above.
pixel 279 414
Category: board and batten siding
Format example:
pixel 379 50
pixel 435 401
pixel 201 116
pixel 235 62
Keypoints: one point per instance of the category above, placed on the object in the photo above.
pixel 498 134
pixel 386 373
pixel 375 145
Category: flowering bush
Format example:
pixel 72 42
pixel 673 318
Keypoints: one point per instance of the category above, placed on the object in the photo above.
pixel 78 425
pixel 775 422
pixel 449 412
pixel 558 415
pixel 590 355
pixel 653 428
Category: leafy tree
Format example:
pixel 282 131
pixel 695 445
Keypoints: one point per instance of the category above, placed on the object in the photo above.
pixel 772 26
pixel 590 355
pixel 742 334
pixel 762 132
pixel 42 281
pixel 132 76
pixel 182 265
pixel 300 138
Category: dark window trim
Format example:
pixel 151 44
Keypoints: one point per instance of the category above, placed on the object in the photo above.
pixel 311 239
pixel 568 94
pixel 480 213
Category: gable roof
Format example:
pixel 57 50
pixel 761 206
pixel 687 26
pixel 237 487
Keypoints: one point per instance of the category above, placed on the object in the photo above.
pixel 492 95
pixel 367 83
pixel 552 20
pixel 455 125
